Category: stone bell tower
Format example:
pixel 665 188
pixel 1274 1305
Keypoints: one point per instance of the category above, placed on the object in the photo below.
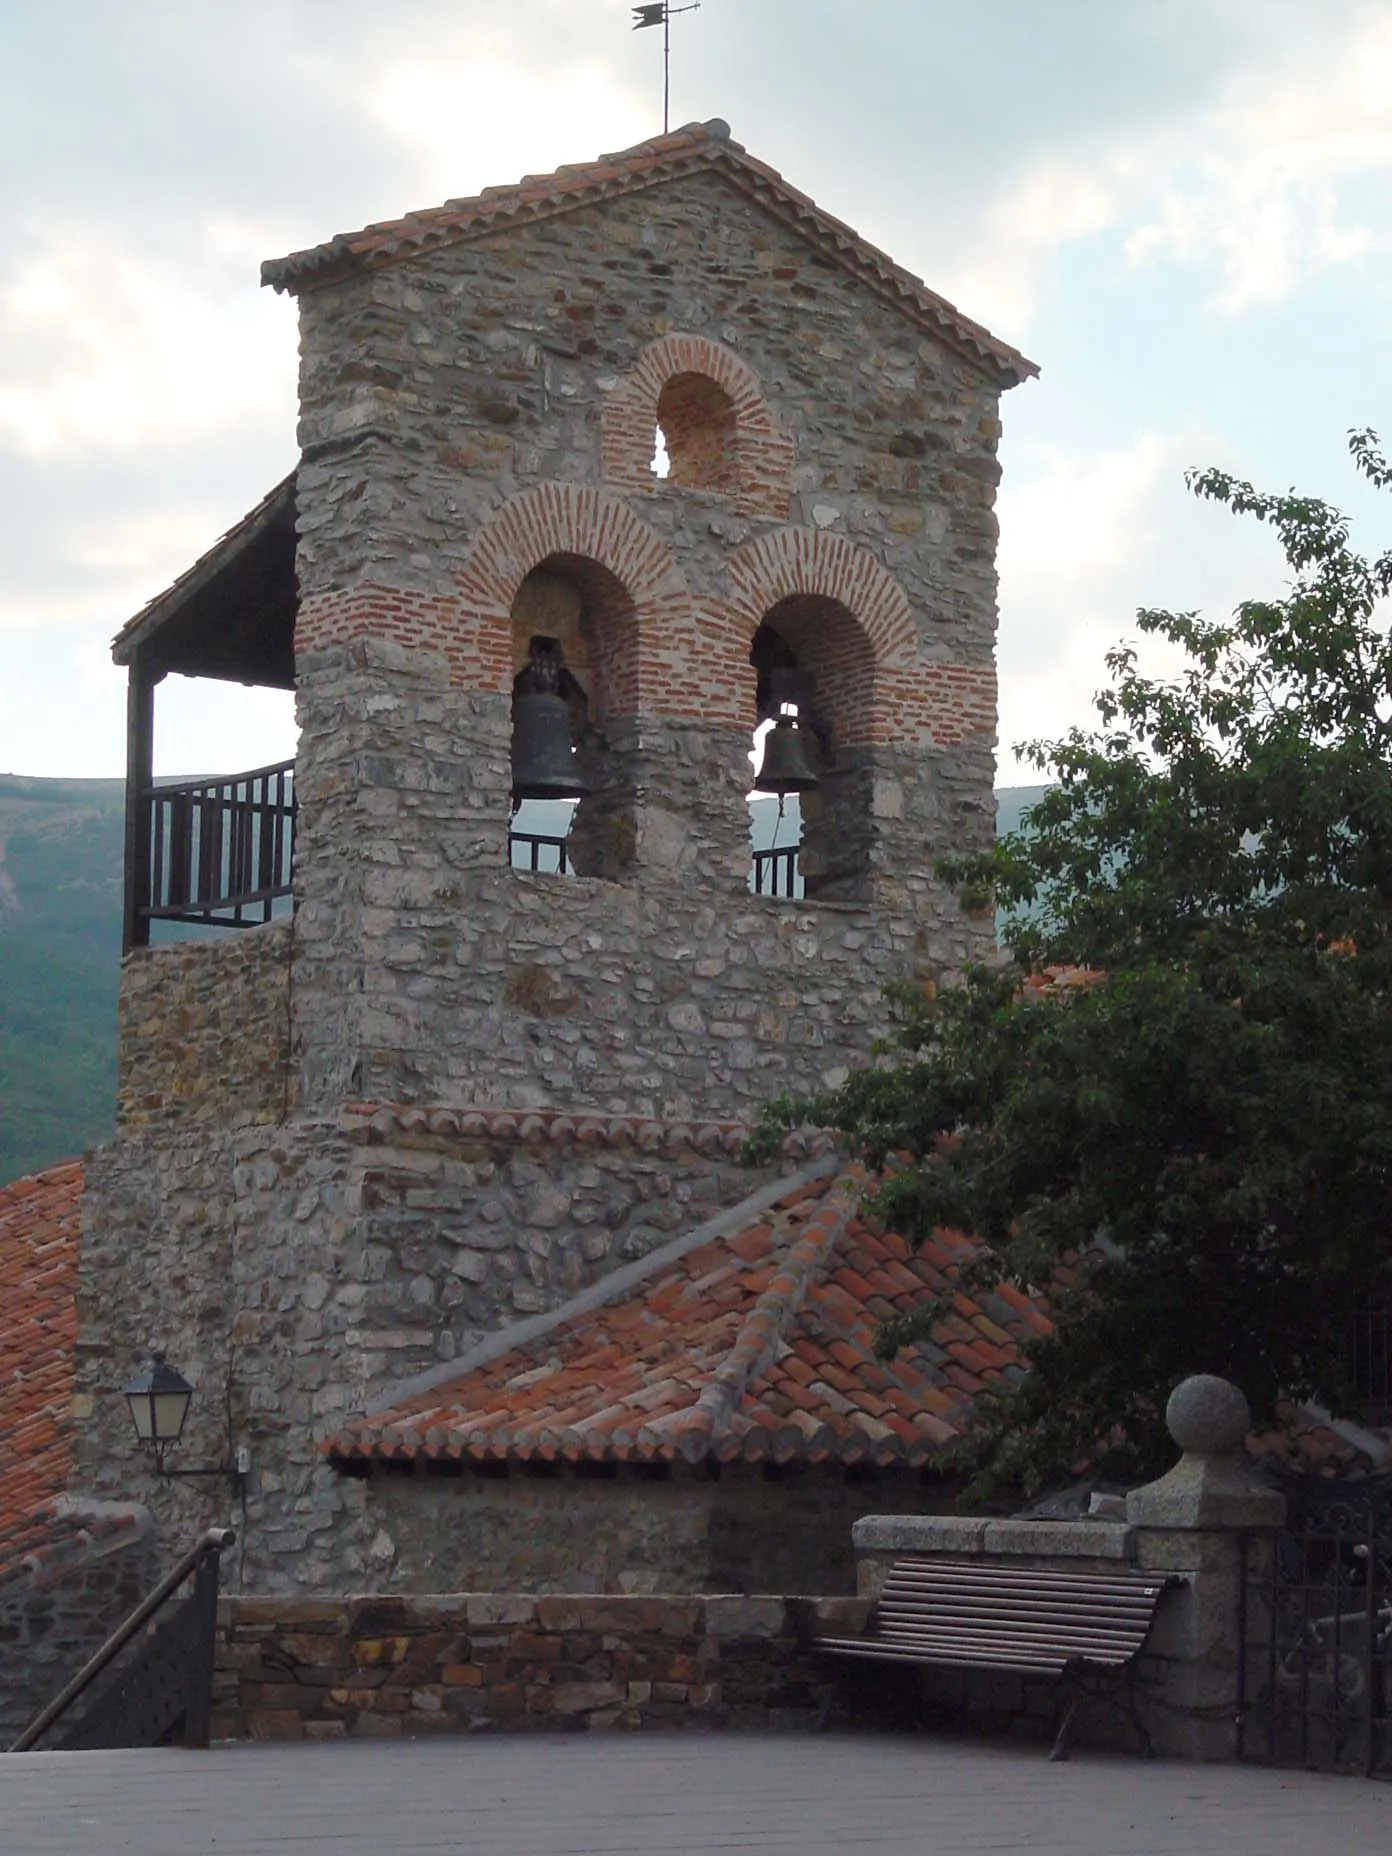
pixel 446 1089
pixel 481 389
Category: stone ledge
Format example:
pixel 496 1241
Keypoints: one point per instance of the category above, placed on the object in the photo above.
pixel 386 1121
pixel 895 1534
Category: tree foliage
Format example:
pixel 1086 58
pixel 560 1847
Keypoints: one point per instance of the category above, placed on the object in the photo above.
pixel 1187 1144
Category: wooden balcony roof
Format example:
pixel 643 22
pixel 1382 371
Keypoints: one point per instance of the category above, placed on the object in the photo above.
pixel 232 614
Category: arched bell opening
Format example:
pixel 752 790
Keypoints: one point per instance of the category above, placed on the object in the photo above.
pixel 815 692
pixel 784 769
pixel 697 435
pixel 574 646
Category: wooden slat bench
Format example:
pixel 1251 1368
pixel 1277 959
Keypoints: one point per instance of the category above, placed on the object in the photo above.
pixel 1072 1625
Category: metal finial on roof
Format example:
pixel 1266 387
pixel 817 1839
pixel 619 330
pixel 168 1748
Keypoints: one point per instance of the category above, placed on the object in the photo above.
pixel 660 14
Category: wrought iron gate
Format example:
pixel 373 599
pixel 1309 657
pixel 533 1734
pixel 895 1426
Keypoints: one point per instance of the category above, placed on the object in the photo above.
pixel 1317 1675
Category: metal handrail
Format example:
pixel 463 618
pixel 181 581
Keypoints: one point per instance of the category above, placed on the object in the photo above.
pixel 216 1540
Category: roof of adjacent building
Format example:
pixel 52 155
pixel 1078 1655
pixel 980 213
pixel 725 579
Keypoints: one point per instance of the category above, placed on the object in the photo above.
pixel 698 147
pixel 40 1221
pixel 757 1345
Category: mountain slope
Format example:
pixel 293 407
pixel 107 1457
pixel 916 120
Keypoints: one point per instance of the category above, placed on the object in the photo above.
pixel 60 948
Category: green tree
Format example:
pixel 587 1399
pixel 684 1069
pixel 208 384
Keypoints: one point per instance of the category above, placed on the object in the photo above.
pixel 1188 1142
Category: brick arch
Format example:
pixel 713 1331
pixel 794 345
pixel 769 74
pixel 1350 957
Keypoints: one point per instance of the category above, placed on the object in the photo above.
pixel 764 450
pixel 809 560
pixel 803 563
pixel 910 702
pixel 582 525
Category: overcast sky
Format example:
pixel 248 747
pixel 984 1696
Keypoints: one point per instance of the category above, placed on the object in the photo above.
pixel 1179 208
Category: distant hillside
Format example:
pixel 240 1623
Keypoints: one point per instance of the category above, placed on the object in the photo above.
pixel 60 949
pixel 1011 803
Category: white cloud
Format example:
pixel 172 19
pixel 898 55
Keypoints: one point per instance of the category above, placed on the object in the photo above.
pixel 1253 186
pixel 203 726
pixel 1087 539
pixel 103 347
pixel 485 122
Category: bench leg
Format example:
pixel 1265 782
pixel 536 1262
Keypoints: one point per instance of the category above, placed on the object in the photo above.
pixel 1064 1738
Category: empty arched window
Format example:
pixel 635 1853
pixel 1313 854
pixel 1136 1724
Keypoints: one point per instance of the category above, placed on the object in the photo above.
pixel 697 426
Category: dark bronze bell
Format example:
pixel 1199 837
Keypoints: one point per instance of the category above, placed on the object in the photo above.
pixel 543 756
pixel 785 767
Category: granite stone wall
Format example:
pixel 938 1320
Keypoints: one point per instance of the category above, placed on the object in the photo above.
pixel 484 411
pixel 378 1667
pixel 427 970
pixel 740 1527
pixel 205 1031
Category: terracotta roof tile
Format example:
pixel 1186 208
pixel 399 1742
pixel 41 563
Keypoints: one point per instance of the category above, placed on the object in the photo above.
pixel 40 1219
pixel 690 150
pixel 758 1346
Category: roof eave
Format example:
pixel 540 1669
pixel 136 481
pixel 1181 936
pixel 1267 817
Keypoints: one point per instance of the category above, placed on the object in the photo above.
pixel 416 235
pixel 140 634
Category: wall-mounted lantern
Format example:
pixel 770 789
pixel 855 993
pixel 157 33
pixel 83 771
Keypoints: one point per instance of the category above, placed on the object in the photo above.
pixel 159 1400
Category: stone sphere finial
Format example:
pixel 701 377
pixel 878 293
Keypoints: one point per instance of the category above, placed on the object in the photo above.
pixel 1208 1416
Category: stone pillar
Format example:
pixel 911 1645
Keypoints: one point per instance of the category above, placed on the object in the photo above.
pixel 1197 1523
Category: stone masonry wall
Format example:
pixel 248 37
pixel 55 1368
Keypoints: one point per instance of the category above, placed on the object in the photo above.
pixel 464 418
pixel 378 1667
pixel 296 1272
pixel 205 1031
pixel 609 1528
pixel 428 970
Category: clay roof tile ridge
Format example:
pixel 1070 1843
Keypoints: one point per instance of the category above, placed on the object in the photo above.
pixel 764 1327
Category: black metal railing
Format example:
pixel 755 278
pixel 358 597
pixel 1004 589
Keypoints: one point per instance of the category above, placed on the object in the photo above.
pixel 536 850
pixel 220 851
pixel 777 873
pixel 166 1687
pixel 1366 1348
pixel 1317 1630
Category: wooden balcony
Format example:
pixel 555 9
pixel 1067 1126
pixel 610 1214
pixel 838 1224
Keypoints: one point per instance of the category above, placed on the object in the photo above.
pixel 218 852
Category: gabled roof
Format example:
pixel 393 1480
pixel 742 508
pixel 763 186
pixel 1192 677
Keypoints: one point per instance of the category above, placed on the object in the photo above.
pixel 698 147
pixel 40 1223
pixel 232 614
pixel 756 1346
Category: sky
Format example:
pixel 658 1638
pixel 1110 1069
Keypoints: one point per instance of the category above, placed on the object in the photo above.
pixel 1179 208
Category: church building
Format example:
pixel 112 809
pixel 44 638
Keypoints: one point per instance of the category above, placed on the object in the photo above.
pixel 428 1177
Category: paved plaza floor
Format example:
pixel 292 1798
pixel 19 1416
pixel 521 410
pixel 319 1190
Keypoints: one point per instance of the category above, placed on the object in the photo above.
pixel 671 1796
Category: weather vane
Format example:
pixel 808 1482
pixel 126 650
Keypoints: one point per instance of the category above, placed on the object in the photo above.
pixel 660 14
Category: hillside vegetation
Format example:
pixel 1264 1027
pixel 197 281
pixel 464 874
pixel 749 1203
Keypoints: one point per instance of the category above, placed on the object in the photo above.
pixel 60 948
pixel 60 953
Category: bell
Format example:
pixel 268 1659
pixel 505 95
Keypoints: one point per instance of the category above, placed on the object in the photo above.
pixel 785 768
pixel 543 757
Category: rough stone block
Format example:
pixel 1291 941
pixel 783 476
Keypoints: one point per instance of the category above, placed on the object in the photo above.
pixel 1099 1540
pixel 499 1608
pixel 745 1617
pixel 919 1533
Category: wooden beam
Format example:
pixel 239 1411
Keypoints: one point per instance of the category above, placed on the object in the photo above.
pixel 140 721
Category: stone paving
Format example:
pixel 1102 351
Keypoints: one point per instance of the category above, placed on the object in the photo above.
pixel 590 1796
